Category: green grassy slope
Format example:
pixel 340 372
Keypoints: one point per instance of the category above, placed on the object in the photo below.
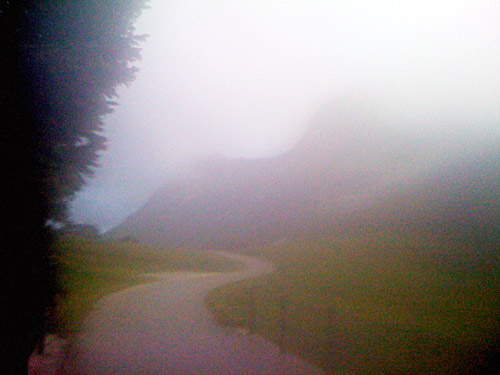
pixel 376 303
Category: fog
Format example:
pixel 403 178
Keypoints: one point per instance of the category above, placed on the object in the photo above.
pixel 244 79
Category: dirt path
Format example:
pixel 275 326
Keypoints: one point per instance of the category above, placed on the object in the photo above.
pixel 164 328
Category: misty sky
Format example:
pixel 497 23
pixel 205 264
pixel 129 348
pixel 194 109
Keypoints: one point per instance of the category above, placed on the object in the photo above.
pixel 243 78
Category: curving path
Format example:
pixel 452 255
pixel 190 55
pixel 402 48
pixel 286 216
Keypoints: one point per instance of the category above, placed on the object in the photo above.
pixel 164 328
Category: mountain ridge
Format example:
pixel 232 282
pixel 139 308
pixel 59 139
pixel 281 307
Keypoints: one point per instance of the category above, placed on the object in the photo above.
pixel 342 167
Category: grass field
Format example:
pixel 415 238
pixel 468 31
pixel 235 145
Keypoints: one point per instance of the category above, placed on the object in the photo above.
pixel 373 302
pixel 93 268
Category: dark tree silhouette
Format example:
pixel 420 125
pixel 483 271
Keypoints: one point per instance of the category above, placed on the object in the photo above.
pixel 61 62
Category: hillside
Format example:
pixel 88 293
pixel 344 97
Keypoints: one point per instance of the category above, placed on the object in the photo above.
pixel 347 170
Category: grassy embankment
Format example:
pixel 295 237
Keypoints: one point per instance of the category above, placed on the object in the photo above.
pixel 373 302
pixel 93 268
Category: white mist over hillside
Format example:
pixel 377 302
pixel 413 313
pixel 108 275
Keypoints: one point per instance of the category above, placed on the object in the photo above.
pixel 243 79
pixel 347 171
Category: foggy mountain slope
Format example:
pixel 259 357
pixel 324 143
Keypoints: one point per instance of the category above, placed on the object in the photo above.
pixel 462 201
pixel 459 201
pixel 343 165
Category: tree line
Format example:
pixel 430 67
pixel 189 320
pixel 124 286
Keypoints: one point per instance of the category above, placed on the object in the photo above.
pixel 61 63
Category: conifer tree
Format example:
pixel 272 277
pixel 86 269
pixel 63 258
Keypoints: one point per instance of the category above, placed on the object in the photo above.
pixel 61 62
